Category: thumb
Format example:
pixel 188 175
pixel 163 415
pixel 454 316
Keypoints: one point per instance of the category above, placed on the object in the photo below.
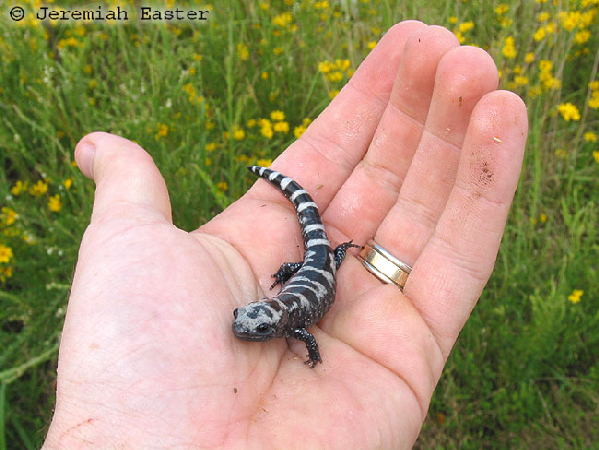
pixel 128 183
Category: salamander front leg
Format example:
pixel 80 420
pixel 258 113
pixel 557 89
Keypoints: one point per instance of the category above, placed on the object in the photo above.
pixel 311 344
pixel 286 271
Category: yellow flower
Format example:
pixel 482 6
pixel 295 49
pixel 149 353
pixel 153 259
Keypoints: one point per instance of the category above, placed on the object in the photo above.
pixel 18 188
pixel 589 136
pixel 534 91
pixel 594 85
pixel 68 42
pixel 5 253
pixel 569 111
pixel 39 188
pixel 277 115
pixel 575 296
pixel 222 186
pixel 543 16
pixel 281 127
pixel 251 123
pixel 208 161
pixel 596 156
pixel 502 8
pixel 333 93
pixel 543 218
pixel 521 80
pixel 5 272
pixel 242 51
pixel 54 204
pixel 210 146
pixel 190 89
pixel 594 100
pixel 509 48
pixel 549 82
pixel 298 131
pixel 465 27
pixel 539 34
pixel 162 130
pixel 264 75
pixel 343 64
pixel 265 128
pixel 283 19
pixel 530 57
pixel 277 51
pixel 545 66
pixel 264 162
pixel 371 45
pixel 324 66
pixel 569 19
pixel 67 183
pixel 452 20
pixel 8 216
pixel 582 36
pixel 335 77
pixel 87 68
pixel 588 16
pixel 238 133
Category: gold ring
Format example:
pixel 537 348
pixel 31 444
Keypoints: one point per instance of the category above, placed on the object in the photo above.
pixel 384 265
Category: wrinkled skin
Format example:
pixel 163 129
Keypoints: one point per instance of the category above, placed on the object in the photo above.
pixel 419 151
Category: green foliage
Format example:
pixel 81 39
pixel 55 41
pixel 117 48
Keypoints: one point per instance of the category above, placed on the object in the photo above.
pixel 207 99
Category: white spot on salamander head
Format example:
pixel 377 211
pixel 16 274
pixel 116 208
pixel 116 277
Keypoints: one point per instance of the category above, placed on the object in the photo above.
pixel 258 321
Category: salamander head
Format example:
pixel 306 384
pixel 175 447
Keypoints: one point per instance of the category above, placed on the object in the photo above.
pixel 258 321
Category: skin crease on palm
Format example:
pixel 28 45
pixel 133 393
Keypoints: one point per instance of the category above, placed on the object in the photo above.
pixel 419 151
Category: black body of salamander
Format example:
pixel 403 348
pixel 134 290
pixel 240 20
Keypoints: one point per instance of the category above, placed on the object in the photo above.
pixel 308 287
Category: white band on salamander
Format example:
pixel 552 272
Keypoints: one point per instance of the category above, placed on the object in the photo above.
pixel 384 265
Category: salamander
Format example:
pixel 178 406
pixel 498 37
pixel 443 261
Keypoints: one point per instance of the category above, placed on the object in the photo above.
pixel 308 286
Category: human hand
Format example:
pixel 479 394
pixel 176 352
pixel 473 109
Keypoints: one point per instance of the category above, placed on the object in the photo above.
pixel 418 151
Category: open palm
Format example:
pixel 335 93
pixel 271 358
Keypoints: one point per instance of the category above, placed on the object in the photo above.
pixel 419 151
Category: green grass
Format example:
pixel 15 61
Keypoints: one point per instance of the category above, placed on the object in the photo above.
pixel 525 370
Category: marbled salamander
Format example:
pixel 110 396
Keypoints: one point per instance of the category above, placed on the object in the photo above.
pixel 309 291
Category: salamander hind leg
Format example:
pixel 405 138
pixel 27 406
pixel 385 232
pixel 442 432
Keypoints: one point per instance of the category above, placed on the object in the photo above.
pixel 311 344
pixel 341 250
pixel 286 271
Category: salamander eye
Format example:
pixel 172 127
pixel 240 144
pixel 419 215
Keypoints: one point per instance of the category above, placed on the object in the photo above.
pixel 235 312
pixel 263 328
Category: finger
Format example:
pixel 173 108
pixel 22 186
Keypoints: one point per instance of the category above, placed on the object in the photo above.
pixel 456 263
pixel 463 76
pixel 325 155
pixel 128 182
pixel 381 172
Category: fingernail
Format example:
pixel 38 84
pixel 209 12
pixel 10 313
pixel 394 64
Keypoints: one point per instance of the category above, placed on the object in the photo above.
pixel 84 155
